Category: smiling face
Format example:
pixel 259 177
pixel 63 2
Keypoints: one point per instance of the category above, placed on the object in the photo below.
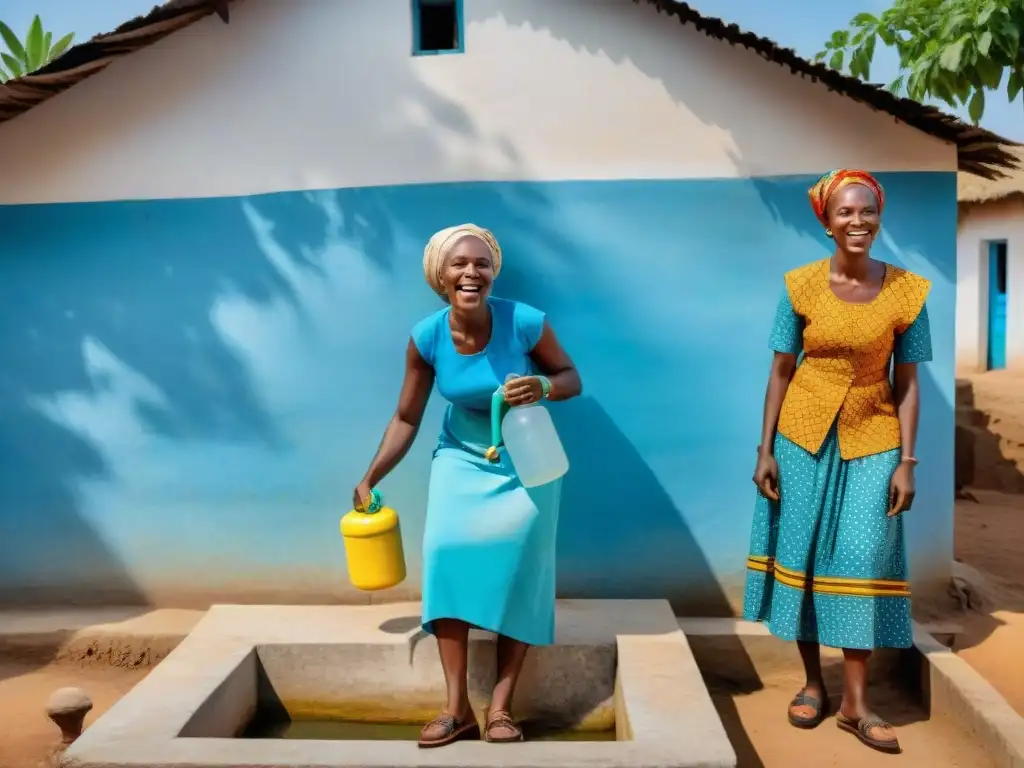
pixel 468 273
pixel 854 218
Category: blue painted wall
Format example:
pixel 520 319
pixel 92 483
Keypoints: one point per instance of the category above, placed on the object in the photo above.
pixel 192 387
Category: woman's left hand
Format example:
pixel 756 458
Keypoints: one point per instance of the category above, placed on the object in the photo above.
pixel 523 391
pixel 901 489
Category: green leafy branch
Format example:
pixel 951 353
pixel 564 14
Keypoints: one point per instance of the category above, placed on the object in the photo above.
pixel 36 51
pixel 950 50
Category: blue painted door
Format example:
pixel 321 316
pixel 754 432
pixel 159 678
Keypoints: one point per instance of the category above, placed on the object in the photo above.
pixel 996 305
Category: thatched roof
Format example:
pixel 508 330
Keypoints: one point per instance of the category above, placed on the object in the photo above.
pixel 980 152
pixel 86 59
pixel 971 189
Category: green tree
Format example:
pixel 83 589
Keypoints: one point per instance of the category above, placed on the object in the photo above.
pixel 950 50
pixel 37 50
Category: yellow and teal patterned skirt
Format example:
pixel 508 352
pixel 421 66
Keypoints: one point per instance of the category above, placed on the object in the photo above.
pixel 826 563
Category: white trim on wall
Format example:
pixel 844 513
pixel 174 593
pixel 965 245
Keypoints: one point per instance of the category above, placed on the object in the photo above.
pixel 314 95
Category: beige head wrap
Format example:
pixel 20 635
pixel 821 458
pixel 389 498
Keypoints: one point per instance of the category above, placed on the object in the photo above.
pixel 441 244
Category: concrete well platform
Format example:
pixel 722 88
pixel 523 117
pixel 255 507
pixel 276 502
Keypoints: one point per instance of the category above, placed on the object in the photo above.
pixel 616 663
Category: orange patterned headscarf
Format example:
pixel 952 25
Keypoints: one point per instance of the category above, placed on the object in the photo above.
pixel 833 181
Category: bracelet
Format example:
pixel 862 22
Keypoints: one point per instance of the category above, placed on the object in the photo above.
pixel 545 387
pixel 908 460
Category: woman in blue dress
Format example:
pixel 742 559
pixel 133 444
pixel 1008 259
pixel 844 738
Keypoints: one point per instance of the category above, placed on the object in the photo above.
pixel 488 544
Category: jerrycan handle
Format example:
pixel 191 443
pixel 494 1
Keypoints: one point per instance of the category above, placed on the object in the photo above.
pixel 497 411
pixel 372 505
pixel 497 401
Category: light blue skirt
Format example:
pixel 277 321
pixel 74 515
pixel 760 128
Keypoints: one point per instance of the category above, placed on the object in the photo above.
pixel 489 543
pixel 826 563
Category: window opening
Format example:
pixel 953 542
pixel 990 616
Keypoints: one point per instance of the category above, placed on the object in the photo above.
pixel 437 26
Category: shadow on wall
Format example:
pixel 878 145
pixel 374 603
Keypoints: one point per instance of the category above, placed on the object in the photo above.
pixel 638 35
pixel 45 544
pixel 90 309
pixel 619 528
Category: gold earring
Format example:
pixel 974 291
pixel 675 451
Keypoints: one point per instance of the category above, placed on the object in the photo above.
pixel 828 233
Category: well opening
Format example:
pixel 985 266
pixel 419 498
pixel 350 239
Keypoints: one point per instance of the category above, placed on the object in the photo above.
pixel 354 692
pixel 316 701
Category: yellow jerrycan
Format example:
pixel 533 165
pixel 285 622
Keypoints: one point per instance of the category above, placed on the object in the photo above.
pixel 373 545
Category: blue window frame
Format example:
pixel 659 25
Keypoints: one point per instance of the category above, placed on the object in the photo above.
pixel 437 27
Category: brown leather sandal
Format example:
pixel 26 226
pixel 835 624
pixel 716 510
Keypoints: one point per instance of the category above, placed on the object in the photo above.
pixel 862 730
pixel 445 729
pixel 501 729
pixel 819 707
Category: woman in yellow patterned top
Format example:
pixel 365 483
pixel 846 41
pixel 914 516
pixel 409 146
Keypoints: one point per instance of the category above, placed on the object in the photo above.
pixel 835 466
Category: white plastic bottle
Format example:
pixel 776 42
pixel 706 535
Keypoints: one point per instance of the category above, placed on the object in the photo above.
pixel 533 445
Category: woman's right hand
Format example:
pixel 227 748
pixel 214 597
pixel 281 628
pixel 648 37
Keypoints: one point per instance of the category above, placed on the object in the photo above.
pixel 766 476
pixel 361 495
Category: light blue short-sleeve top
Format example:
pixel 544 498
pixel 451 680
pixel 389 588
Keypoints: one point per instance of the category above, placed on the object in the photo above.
pixel 469 381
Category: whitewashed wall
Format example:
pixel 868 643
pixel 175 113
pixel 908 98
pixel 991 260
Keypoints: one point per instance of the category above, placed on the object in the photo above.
pixel 979 225
pixel 326 95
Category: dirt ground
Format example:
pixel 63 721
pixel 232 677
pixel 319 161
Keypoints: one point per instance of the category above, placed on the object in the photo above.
pixel 27 736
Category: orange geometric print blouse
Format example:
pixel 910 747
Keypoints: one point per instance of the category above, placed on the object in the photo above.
pixel 847 350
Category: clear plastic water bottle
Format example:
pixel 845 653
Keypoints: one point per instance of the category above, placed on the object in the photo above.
pixel 533 444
